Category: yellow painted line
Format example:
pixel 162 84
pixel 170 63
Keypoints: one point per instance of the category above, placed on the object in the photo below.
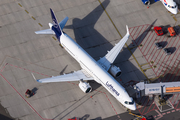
pixel 33 18
pixel 145 64
pixel 40 24
pixel 61 45
pixel 121 37
pixel 27 11
pixel 135 115
pixel 133 47
pixel 174 18
pixel 157 77
pixel 175 24
pixel 110 18
pixel 19 4
pixel 147 69
pixel 54 38
pixel 153 78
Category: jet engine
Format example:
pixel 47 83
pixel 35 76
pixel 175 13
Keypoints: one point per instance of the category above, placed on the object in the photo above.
pixel 85 87
pixel 115 71
pixel 147 2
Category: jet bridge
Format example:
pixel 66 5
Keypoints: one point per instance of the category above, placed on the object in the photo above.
pixel 149 89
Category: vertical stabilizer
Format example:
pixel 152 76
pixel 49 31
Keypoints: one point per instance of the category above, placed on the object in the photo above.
pixel 56 28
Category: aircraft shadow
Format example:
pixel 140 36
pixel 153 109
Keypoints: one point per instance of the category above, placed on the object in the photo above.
pixel 94 43
pixel 3 117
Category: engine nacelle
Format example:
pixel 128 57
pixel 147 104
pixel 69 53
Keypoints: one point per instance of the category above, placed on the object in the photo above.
pixel 115 71
pixel 146 2
pixel 85 87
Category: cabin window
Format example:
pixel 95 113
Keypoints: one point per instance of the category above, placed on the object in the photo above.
pixel 172 6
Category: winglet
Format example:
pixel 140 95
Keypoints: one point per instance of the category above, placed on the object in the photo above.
pixel 33 76
pixel 39 81
pixel 127 29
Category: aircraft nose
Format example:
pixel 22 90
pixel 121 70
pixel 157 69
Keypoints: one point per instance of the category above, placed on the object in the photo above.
pixel 174 11
pixel 133 107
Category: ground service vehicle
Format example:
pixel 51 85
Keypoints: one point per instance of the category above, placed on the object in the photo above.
pixel 171 31
pixel 158 30
pixel 29 93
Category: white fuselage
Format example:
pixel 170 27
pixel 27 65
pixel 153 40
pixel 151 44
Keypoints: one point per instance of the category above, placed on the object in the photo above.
pixel 170 6
pixel 97 72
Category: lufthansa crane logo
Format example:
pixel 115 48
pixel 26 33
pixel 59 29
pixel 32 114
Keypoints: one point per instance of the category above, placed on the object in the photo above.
pixel 54 23
pixel 112 88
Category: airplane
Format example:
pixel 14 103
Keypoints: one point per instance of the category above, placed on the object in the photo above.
pixel 101 71
pixel 170 5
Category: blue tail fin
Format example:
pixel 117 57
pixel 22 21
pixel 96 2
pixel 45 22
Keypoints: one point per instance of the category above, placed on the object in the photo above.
pixel 56 28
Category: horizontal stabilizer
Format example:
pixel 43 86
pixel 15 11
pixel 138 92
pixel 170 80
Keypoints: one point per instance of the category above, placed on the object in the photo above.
pixel 47 31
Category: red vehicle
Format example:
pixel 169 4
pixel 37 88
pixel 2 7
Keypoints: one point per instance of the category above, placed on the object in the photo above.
pixel 158 30
pixel 171 31
pixel 29 93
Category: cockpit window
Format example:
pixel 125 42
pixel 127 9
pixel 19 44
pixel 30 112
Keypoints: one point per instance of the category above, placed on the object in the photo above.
pixel 129 103
pixel 172 6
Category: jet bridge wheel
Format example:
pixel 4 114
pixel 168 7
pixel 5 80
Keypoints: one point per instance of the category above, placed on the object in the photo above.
pixel 139 117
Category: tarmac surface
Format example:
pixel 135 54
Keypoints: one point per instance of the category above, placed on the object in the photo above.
pixel 96 25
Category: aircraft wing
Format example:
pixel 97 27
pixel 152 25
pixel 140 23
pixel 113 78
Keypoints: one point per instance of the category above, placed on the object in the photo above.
pixel 47 31
pixel 109 58
pixel 75 76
